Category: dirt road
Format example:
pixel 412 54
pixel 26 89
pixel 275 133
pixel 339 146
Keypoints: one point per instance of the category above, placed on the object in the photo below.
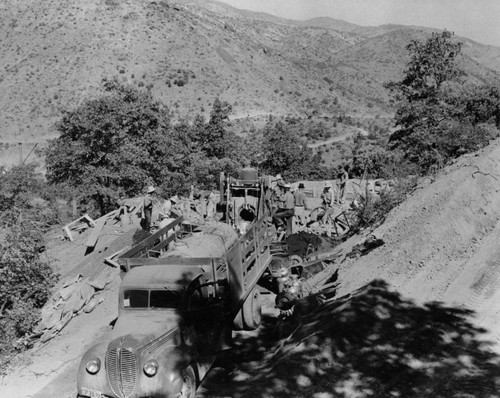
pixel 338 138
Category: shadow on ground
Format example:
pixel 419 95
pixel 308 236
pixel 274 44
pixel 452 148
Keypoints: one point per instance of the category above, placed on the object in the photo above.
pixel 373 343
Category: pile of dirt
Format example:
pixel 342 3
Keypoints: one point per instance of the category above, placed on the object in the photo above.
pixel 441 244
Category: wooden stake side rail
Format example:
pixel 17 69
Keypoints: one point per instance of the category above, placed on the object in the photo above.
pixel 130 263
pixel 241 268
pixel 247 261
pixel 155 242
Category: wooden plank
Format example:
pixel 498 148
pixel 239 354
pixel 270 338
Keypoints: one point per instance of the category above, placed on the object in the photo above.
pixel 160 246
pixel 99 225
pixel 150 242
pixel 70 237
pixel 145 261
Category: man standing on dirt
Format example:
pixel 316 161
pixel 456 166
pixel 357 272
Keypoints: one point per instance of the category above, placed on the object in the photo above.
pixel 300 202
pixel 148 208
pixel 326 197
pixel 287 208
pixel 342 178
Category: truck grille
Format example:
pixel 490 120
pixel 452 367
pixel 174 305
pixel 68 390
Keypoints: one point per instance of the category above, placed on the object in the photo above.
pixel 121 366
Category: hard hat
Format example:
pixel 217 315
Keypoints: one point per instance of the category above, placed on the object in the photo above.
pixel 287 186
pixel 174 199
pixel 151 189
pixel 328 184
pixel 301 185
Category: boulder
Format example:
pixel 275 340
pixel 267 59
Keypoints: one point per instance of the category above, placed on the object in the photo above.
pixel 63 322
pixel 50 317
pixel 67 292
pixel 86 292
pixel 98 284
pixel 73 304
pixel 92 304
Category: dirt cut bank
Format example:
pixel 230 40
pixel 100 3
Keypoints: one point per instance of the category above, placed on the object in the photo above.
pixel 441 244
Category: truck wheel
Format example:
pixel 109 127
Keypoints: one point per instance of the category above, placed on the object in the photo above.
pixel 252 310
pixel 188 389
pixel 238 321
pixel 295 260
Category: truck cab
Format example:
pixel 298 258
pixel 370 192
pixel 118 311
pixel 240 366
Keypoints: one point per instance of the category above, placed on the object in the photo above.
pixel 172 322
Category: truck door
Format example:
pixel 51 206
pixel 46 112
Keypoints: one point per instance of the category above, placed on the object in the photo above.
pixel 207 317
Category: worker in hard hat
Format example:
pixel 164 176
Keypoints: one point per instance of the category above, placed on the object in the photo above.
pixel 147 208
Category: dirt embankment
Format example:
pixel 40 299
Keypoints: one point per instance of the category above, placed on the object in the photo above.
pixel 416 317
pixel 442 242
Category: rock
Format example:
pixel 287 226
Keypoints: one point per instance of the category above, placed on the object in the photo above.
pixel 50 318
pixel 92 304
pixel 73 304
pixel 67 292
pixel 303 381
pixel 98 284
pixel 71 281
pixel 64 321
pixel 49 334
pixel 86 293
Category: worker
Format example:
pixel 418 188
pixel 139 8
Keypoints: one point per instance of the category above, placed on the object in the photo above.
pixel 166 208
pixel 123 210
pixel 326 196
pixel 342 178
pixel 147 208
pixel 211 206
pixel 326 202
pixel 287 208
pixel 300 203
pixel 279 181
pixel 276 204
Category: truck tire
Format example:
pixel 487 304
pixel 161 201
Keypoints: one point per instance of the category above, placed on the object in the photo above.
pixel 252 310
pixel 188 389
pixel 295 260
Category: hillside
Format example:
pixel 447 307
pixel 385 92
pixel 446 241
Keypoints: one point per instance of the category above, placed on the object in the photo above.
pixel 416 317
pixel 441 243
pixel 55 54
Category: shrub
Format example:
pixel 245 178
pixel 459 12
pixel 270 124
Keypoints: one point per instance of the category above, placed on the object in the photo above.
pixel 25 278
pixel 372 209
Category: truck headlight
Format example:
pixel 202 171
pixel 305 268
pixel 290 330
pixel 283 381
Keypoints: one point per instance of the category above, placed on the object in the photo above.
pixel 151 368
pixel 93 366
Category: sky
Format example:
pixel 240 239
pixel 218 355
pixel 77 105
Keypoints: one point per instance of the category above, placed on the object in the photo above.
pixel 475 19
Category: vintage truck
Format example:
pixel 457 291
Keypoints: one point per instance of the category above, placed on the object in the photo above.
pixel 185 288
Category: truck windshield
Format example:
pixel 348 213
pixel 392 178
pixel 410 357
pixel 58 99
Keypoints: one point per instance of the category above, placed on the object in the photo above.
pixel 151 299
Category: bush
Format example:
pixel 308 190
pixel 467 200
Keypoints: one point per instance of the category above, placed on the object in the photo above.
pixel 25 279
pixel 373 209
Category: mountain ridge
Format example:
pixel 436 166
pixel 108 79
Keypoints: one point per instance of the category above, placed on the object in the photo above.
pixel 55 54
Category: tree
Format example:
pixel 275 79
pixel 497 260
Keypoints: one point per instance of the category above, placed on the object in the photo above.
pixel 423 98
pixel 214 137
pixel 286 154
pixel 120 141
pixel 441 114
